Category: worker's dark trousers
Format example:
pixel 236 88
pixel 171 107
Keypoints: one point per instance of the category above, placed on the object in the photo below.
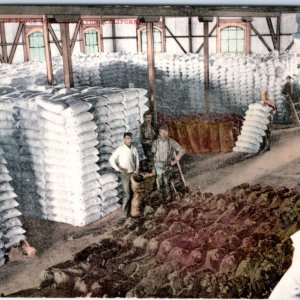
pixel 149 155
pixel 126 205
pixel 163 174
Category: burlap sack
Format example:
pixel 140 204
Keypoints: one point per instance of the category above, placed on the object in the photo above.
pixel 226 137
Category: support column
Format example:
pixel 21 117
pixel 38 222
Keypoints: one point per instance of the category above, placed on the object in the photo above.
pixel 206 66
pixel 151 70
pixel 113 35
pixel 66 54
pixel 48 57
pixel 190 36
pixel 3 41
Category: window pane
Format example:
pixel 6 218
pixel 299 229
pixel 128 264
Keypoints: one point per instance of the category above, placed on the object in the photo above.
pixel 224 34
pixel 232 33
pixel 240 33
pixel 240 46
pixel 157 36
pixel 232 46
pixel 224 46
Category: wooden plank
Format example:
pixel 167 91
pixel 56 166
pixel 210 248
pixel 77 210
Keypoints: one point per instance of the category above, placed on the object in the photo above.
pixel 151 10
pixel 210 34
pixel 75 34
pixel 25 45
pixel 3 42
pixel 164 44
pixel 278 33
pixel 47 51
pixel 101 46
pixel 190 35
pixel 272 32
pixel 290 45
pixel 16 40
pixel 82 41
pixel 113 35
pixel 206 66
pixel 260 37
pixel 151 70
pixel 67 61
pixel 55 39
pixel 173 36
pixel 2 60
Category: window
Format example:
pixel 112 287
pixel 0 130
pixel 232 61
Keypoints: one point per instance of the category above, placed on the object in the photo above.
pixel 232 39
pixel 233 36
pixel 157 36
pixel 91 41
pixel 36 46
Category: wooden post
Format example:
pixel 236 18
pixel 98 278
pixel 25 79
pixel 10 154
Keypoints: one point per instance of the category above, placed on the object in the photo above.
pixel 47 51
pixel 113 35
pixel 164 47
pixel 66 54
pixel 206 66
pixel 15 44
pixel 190 36
pixel 101 46
pixel 151 70
pixel 3 41
pixel 25 45
pixel 278 44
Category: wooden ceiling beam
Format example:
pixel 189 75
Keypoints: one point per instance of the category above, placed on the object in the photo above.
pixel 150 10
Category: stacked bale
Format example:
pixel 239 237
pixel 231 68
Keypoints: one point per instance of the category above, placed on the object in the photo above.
pixel 11 230
pixel 9 135
pixel 254 128
pixel 31 177
pixel 70 156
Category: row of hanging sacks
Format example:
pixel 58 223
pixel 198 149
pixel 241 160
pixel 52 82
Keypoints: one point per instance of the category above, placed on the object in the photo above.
pixel 254 128
pixel 32 180
pixel 70 158
pixel 11 229
pixel 107 108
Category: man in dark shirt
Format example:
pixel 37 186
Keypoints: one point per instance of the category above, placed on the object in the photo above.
pixel 147 136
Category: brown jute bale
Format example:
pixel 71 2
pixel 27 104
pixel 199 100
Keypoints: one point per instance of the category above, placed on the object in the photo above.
pixel 183 137
pixel 214 137
pixel 193 136
pixel 142 186
pixel 203 130
pixel 226 137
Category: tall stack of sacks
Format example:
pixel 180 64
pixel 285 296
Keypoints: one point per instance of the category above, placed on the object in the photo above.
pixel 9 136
pixel 254 128
pixel 70 156
pixel 31 177
pixel 11 229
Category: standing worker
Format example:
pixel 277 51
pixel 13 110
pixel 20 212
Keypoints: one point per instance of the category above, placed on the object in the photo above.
pixel 287 88
pixel 270 105
pixel 125 159
pixel 163 149
pixel 147 136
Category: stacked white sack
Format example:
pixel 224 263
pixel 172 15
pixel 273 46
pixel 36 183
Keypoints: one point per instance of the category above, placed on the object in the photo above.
pixel 9 135
pixel 31 177
pixel 70 156
pixel 11 229
pixel 254 129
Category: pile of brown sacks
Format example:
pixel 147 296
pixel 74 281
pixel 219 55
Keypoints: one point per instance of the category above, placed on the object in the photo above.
pixel 231 245
pixel 198 133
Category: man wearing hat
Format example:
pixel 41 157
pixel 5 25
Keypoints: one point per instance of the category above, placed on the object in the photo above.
pixel 163 149
pixel 147 136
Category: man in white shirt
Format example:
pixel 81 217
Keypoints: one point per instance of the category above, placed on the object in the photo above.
pixel 125 159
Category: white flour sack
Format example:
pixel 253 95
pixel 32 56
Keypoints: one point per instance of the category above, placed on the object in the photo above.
pixel 254 129
pixel 52 106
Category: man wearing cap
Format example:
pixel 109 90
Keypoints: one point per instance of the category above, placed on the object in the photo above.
pixel 125 159
pixel 271 108
pixel 164 149
pixel 147 136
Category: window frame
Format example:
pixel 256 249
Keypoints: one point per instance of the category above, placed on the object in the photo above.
pixel 139 38
pixel 85 28
pixel 28 31
pixel 234 23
